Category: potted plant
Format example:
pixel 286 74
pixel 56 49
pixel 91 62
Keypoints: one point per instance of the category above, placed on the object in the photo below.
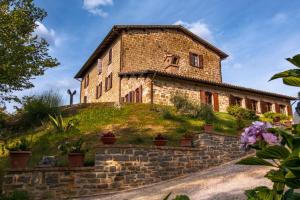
pixel 187 140
pixel 208 127
pixel 108 138
pixel 75 152
pixel 19 153
pixel 160 140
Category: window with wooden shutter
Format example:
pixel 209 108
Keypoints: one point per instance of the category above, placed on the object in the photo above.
pixel 100 89
pixel 289 110
pixel 263 107
pixel 110 56
pixel 282 109
pixel 99 66
pixel 137 95
pixel 208 98
pixel 141 94
pixel 106 82
pixel 216 101
pixel 87 80
pixel 110 81
pixel 97 90
pixel 126 98
pixel 196 60
pixel 202 96
pixel 277 110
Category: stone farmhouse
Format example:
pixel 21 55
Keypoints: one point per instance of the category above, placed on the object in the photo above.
pixel 149 63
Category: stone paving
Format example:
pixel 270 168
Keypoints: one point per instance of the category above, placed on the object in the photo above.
pixel 225 182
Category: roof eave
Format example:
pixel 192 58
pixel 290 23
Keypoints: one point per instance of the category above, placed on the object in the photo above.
pixel 234 87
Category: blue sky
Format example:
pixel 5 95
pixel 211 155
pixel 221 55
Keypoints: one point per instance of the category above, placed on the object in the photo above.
pixel 257 35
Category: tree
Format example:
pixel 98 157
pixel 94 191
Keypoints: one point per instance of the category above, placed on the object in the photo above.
pixel 23 55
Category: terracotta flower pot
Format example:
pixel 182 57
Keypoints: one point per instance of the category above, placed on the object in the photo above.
pixel 76 159
pixel 19 159
pixel 160 142
pixel 186 142
pixel 108 140
pixel 208 128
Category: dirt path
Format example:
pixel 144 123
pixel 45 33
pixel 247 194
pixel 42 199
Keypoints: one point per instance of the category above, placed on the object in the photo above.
pixel 226 182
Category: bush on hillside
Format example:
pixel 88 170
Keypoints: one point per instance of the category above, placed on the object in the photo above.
pixel 206 113
pixel 270 116
pixel 242 113
pixel 35 109
pixel 182 104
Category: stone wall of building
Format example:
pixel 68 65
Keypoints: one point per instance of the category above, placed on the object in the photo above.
pixel 164 88
pixel 95 78
pixel 129 84
pixel 121 167
pixel 147 49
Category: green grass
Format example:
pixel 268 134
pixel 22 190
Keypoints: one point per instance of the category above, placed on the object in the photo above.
pixel 132 124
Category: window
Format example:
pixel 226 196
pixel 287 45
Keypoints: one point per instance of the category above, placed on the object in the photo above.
pixel 99 64
pixel 208 98
pixel 268 107
pixel 108 82
pixel 138 95
pixel 253 105
pixel 196 60
pixel 174 60
pixel 86 81
pixel 235 100
pixel 99 90
pixel 110 56
pixel 282 109
pixel 85 99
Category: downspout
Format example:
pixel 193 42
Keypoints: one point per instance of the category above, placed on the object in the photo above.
pixel 151 87
pixel 121 66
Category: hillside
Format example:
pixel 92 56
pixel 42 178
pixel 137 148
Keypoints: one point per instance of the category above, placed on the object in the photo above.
pixel 132 124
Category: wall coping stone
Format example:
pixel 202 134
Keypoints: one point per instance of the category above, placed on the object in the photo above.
pixel 50 169
pixel 129 146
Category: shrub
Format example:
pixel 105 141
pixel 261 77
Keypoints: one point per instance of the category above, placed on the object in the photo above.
pixel 22 145
pixel 242 113
pixel 62 127
pixel 206 113
pixel 16 195
pixel 272 116
pixel 37 108
pixel 182 104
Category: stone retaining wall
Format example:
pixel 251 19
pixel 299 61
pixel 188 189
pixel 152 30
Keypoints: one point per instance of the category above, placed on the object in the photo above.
pixel 121 167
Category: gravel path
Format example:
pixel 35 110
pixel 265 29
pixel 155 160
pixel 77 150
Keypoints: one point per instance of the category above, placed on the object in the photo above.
pixel 226 182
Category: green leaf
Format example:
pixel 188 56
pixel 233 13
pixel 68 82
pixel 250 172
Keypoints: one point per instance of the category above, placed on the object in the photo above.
pixel 287 137
pixel 291 195
pixel 292 81
pixel 273 152
pixel 295 60
pixel 287 73
pixel 275 176
pixel 254 161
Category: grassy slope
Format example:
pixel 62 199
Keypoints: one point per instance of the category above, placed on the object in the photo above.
pixel 133 124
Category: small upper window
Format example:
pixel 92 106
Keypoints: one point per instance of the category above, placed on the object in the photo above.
pixel 99 64
pixel 175 60
pixel 196 60
pixel 86 81
pixel 110 56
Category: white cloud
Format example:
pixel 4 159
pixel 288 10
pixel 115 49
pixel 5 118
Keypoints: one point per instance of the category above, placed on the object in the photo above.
pixel 95 6
pixel 199 28
pixel 48 34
